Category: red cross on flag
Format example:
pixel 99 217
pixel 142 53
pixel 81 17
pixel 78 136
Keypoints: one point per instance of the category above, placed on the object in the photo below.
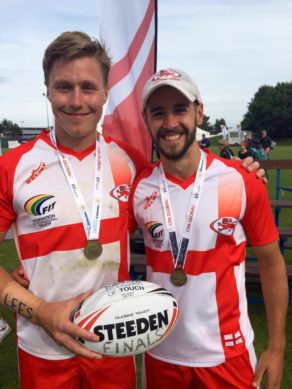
pixel 128 29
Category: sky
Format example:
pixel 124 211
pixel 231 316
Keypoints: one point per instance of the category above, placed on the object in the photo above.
pixel 229 47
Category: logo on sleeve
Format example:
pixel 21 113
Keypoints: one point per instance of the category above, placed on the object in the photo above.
pixel 35 173
pixel 224 225
pixel 41 208
pixel 121 192
pixel 149 200
pixel 155 230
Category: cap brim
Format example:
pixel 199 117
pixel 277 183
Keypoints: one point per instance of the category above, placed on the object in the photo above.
pixel 182 90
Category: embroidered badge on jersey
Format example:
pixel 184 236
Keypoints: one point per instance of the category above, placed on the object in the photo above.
pixel 233 340
pixel 35 173
pixel 149 200
pixel 41 208
pixel 121 192
pixel 224 225
pixel 156 231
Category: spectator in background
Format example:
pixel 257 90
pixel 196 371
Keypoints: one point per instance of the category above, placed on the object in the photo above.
pixel 247 139
pixel 256 148
pixel 266 142
pixel 205 143
pixel 225 151
pixel 244 150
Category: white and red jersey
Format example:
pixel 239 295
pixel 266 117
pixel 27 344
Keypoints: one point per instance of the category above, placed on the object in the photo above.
pixel 50 237
pixel 213 323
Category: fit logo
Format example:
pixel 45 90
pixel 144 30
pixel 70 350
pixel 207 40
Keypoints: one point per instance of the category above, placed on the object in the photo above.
pixel 155 230
pixel 40 205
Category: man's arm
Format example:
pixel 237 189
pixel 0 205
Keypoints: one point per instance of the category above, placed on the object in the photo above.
pixel 53 317
pixel 275 291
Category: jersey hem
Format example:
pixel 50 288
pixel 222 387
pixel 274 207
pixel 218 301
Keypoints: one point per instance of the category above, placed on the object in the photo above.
pixel 51 357
pixel 198 364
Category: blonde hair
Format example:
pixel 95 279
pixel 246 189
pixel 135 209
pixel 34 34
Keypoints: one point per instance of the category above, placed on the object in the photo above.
pixel 72 45
pixel 224 143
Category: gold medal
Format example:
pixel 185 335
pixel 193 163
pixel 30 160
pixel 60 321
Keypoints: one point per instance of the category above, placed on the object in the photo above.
pixel 93 249
pixel 178 277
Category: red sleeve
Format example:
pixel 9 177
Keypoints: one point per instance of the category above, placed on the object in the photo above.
pixel 141 163
pixel 258 221
pixel 8 165
pixel 136 156
pixel 132 224
pixel 7 215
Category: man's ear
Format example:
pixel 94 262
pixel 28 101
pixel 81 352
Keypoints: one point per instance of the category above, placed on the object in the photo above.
pixel 106 91
pixel 47 95
pixel 146 122
pixel 199 114
pixel 144 115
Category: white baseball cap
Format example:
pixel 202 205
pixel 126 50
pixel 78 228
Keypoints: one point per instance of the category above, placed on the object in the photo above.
pixel 175 78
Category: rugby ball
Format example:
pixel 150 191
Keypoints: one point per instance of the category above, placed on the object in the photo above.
pixel 129 317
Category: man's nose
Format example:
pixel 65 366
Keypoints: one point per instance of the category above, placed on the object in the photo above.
pixel 170 120
pixel 76 98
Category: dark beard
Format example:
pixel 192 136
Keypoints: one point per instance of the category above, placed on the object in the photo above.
pixel 175 156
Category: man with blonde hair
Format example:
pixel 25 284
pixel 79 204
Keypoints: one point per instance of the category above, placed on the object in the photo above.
pixel 225 151
pixel 47 187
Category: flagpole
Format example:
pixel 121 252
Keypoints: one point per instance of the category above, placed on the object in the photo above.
pixel 155 153
pixel 155 34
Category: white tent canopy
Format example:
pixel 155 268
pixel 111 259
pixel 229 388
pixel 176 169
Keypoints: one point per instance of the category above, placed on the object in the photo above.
pixel 200 132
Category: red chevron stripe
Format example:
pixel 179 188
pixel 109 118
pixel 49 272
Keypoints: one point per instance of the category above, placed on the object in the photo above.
pixel 126 122
pixel 121 68
pixel 95 315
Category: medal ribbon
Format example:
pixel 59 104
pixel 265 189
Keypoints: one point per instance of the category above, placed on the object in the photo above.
pixel 179 252
pixel 91 225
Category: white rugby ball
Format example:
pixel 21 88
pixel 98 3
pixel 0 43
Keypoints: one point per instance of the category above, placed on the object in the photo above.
pixel 129 317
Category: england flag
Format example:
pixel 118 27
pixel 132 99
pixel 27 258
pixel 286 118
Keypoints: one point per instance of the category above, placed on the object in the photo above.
pixel 128 29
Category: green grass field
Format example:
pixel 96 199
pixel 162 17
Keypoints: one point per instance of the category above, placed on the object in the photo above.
pixel 8 259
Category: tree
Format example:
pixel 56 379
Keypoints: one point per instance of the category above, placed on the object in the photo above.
pixel 217 125
pixel 206 126
pixel 271 110
pixel 7 127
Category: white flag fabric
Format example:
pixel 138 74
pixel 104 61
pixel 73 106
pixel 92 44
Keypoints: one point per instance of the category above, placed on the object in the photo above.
pixel 128 30
pixel 224 131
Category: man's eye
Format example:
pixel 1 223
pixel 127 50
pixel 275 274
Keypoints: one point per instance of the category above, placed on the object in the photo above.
pixel 88 87
pixel 181 110
pixel 157 113
pixel 62 87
